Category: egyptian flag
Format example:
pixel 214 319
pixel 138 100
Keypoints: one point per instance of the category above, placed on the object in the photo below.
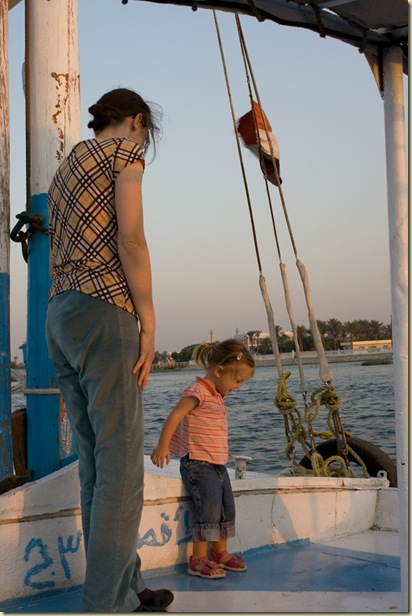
pixel 260 145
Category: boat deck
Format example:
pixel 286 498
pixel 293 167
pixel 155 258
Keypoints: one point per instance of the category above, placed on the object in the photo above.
pixel 359 573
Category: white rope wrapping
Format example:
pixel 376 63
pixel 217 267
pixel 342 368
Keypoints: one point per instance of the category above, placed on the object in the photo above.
pixel 325 373
pixel 271 324
pixel 288 301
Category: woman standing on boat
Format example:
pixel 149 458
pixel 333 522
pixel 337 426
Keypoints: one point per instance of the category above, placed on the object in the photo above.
pixel 100 331
pixel 197 431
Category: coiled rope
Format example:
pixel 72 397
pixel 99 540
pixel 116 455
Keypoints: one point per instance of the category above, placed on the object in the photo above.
pixel 301 431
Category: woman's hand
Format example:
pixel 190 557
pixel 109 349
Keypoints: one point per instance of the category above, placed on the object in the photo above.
pixel 146 355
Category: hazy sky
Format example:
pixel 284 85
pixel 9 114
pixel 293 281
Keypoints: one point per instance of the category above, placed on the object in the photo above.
pixel 327 114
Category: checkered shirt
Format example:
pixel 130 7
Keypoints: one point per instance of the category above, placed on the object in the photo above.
pixel 82 221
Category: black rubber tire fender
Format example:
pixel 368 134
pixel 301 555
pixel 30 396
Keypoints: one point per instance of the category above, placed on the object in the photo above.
pixel 374 458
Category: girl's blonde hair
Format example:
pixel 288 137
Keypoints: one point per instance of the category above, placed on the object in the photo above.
pixel 209 355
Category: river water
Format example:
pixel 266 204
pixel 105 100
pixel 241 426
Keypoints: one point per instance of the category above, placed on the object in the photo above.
pixel 256 428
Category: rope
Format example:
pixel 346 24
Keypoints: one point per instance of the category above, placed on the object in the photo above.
pixel 322 29
pixel 249 70
pixel 303 385
pixel 298 428
pixel 271 323
pixel 262 281
pixel 326 375
pixel 255 11
pixel 250 76
pixel 252 222
pixel 294 427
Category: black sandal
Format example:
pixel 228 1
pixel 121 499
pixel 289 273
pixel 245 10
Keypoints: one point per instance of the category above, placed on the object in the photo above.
pixel 154 600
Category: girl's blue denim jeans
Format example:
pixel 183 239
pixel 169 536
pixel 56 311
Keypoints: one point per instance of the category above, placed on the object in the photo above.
pixel 213 502
pixel 94 346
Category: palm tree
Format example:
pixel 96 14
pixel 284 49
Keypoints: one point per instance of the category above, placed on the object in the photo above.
pixel 364 329
pixel 278 330
pixel 351 328
pixel 335 329
pixel 301 332
pixel 265 347
pixel 375 329
pixel 387 331
pixel 253 338
pixel 323 328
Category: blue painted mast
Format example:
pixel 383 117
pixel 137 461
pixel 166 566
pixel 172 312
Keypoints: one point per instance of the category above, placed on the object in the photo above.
pixel 53 117
pixel 6 451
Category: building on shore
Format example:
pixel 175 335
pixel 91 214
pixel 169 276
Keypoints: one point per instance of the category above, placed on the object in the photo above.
pixel 357 345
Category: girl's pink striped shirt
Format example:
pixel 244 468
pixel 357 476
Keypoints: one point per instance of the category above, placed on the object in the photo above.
pixel 203 432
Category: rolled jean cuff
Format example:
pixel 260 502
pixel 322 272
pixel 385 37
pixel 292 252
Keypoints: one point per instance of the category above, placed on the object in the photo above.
pixel 213 532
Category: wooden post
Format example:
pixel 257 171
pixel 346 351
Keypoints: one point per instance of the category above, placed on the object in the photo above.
pixel 53 99
pixel 397 180
pixel 6 454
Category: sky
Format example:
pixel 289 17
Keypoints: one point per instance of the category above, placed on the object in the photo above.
pixel 327 114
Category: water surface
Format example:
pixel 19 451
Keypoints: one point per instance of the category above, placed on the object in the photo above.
pixel 256 428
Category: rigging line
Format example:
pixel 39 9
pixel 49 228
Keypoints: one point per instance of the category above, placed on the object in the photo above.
pixel 222 55
pixel 262 281
pixel 296 431
pixel 248 71
pixel 271 325
pixel 288 301
pixel 325 373
pixel 246 55
pixel 272 216
pixel 255 11
pixel 291 433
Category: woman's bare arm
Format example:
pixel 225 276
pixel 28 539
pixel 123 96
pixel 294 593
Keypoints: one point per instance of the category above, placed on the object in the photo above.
pixel 135 260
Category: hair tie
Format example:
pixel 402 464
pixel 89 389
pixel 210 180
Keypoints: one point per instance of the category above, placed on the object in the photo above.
pixel 239 357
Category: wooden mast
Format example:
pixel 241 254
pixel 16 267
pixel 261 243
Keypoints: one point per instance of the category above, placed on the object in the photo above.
pixel 397 186
pixel 6 457
pixel 53 94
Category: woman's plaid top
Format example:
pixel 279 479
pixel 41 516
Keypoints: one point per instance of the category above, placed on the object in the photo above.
pixel 82 221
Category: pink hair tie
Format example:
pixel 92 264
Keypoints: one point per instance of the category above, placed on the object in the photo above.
pixel 239 357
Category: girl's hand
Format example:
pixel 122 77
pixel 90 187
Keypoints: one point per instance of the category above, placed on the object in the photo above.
pixel 160 455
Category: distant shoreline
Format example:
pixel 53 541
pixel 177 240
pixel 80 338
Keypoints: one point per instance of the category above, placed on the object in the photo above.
pixel 311 358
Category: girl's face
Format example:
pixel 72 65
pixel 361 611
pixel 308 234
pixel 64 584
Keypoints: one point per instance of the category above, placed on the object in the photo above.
pixel 230 377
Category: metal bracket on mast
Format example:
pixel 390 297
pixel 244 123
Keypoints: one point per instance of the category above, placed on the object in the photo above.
pixel 376 65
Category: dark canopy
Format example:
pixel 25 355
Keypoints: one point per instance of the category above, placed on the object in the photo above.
pixel 369 25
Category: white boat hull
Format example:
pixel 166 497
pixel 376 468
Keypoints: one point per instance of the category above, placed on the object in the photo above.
pixel 40 522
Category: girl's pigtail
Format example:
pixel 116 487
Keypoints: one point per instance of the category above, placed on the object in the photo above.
pixel 201 354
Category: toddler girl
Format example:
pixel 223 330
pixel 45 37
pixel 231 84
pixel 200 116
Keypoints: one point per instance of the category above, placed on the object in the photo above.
pixel 197 431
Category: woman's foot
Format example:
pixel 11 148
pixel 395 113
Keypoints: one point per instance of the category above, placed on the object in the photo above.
pixel 205 568
pixel 154 600
pixel 232 562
